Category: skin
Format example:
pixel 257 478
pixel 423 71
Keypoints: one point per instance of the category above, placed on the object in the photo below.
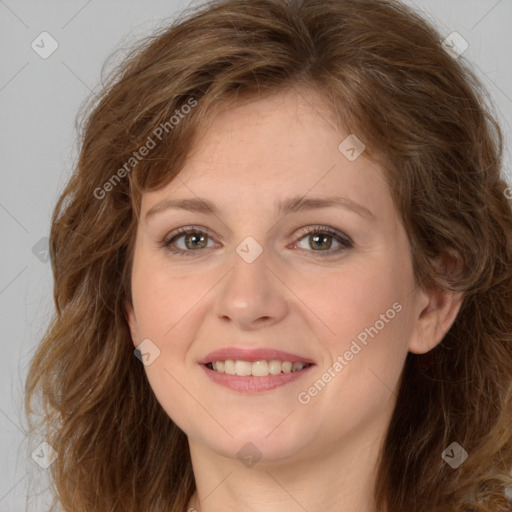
pixel 295 297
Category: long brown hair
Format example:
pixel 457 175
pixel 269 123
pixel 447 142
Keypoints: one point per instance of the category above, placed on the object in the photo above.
pixel 421 112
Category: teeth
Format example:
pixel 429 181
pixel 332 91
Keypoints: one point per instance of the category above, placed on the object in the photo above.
pixel 243 368
pixel 256 368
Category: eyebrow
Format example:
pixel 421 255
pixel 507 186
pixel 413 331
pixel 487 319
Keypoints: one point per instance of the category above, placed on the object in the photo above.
pixel 293 204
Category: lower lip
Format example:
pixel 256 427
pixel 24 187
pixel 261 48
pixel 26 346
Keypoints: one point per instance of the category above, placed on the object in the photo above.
pixel 251 384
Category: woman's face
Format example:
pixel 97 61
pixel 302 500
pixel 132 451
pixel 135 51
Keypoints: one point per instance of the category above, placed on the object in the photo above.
pixel 250 276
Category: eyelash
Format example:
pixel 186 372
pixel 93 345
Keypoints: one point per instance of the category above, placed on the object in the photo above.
pixel 345 241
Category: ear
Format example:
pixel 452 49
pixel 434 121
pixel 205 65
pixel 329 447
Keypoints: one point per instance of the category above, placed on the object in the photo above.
pixel 129 314
pixel 437 311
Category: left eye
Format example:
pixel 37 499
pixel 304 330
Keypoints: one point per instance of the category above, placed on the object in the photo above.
pixel 319 236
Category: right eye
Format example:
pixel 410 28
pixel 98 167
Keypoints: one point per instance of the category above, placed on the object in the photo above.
pixel 194 240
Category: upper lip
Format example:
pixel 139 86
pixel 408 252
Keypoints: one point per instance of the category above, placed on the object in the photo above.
pixel 254 354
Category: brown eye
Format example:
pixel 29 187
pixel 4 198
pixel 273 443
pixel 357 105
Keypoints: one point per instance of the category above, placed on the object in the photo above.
pixel 193 240
pixel 321 240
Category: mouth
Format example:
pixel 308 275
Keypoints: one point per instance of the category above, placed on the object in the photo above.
pixel 253 370
pixel 255 377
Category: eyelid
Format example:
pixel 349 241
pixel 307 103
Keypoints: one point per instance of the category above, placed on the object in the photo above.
pixel 325 229
pixel 186 229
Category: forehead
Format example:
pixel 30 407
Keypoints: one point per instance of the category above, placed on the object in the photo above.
pixel 267 150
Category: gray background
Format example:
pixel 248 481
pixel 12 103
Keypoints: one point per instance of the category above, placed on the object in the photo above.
pixel 39 101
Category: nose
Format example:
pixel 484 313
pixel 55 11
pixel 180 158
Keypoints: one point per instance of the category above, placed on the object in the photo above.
pixel 252 295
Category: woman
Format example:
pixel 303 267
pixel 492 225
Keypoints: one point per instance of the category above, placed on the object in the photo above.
pixel 274 370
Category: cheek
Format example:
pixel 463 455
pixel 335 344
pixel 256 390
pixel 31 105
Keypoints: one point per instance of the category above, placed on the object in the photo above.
pixel 366 311
pixel 162 296
pixel 351 299
pixel 168 313
pixel 373 327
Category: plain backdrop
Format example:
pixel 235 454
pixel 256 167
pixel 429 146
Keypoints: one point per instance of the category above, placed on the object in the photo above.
pixel 39 100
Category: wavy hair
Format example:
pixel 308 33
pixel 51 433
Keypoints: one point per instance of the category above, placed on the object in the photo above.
pixel 422 113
